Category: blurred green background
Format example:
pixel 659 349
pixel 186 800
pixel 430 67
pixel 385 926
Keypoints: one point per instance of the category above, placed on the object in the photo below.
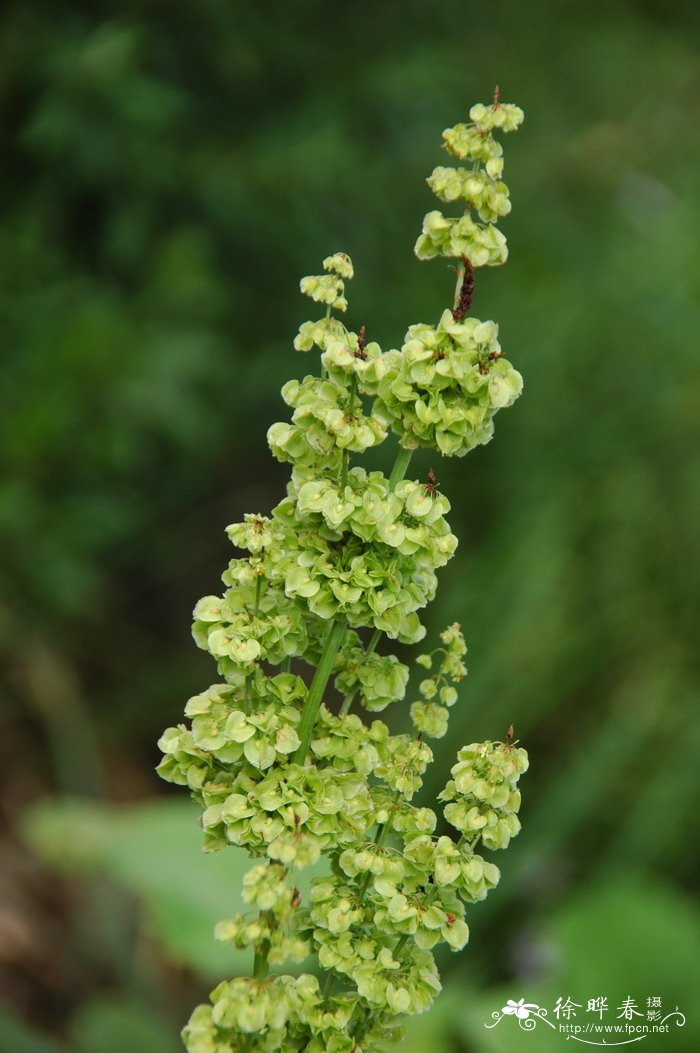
pixel 169 172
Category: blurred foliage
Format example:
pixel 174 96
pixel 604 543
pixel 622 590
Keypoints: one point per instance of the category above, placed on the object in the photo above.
pixel 113 1025
pixel 154 850
pixel 169 172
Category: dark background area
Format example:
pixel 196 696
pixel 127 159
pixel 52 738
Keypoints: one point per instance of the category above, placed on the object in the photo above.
pixel 170 171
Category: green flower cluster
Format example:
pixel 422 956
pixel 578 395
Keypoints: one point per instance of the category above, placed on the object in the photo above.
pixel 485 246
pixel 325 288
pixel 487 197
pixel 280 1014
pixel 445 386
pixel 328 289
pixel 482 793
pixel 272 927
pixel 479 186
pixel 316 334
pixel 244 1007
pixel 345 358
pixel 325 411
pixel 367 580
pixel 237 632
pixel 377 679
pixel 263 736
pixel 347 557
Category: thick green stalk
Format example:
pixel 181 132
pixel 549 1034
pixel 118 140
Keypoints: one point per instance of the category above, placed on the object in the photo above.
pixel 328 986
pixel 258 594
pixel 261 966
pixel 345 464
pixel 403 459
pixel 336 632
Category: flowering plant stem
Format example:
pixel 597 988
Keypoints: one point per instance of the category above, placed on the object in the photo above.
pixel 349 553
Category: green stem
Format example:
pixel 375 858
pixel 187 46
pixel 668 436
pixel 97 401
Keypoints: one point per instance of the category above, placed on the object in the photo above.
pixel 261 966
pixel 336 632
pixel 383 830
pixel 323 368
pixel 345 464
pixel 403 459
pixel 371 647
pixel 287 664
pixel 464 840
pixel 374 640
pixel 258 593
pixel 328 986
pixel 402 940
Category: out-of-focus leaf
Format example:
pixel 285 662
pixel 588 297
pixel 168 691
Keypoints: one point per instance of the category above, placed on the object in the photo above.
pixel 115 1026
pixel 154 850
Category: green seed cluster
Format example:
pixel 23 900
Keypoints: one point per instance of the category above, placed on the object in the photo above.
pixel 330 288
pixel 479 187
pixel 376 679
pixel 446 384
pixel 347 557
pixel 482 791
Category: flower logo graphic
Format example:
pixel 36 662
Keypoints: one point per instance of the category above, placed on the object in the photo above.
pixel 528 1014
pixel 519 1009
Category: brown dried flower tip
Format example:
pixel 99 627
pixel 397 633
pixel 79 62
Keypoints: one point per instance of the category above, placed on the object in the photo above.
pixel 466 292
pixel 361 344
